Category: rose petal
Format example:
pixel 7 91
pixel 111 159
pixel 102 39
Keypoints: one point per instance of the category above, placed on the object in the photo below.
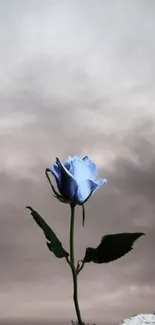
pixel 86 187
pixel 80 170
pixel 91 166
pixel 68 185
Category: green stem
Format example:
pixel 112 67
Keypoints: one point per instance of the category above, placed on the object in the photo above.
pixel 72 265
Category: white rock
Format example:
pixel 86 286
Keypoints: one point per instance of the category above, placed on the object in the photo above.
pixel 141 319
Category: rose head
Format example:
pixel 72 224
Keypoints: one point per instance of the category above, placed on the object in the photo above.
pixel 76 178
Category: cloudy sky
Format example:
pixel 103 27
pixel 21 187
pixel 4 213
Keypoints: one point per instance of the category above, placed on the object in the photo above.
pixel 76 77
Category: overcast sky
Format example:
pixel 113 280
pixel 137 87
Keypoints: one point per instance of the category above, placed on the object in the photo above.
pixel 76 77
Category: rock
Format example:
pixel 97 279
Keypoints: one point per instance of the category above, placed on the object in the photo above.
pixel 141 319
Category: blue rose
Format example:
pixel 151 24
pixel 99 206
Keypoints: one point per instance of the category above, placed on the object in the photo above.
pixel 76 179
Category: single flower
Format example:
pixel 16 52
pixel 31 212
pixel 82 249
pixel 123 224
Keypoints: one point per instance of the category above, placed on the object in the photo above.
pixel 76 179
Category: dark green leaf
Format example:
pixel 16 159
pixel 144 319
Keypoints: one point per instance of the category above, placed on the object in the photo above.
pixel 54 243
pixel 111 248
